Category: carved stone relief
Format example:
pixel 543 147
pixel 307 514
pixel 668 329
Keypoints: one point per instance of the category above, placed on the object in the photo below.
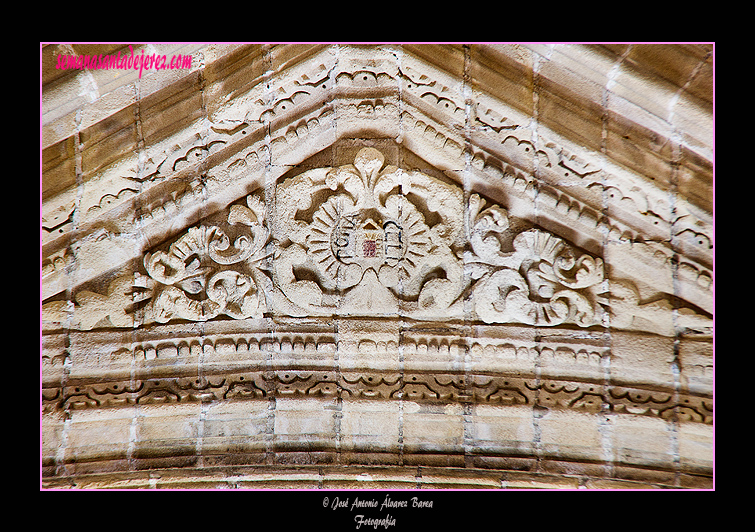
pixel 178 174
pixel 366 239
pixel 411 386
pixel 367 246
pixel 364 231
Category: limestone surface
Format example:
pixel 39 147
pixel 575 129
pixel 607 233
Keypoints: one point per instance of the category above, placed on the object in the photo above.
pixel 377 266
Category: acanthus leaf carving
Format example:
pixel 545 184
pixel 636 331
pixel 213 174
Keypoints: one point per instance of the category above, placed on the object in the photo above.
pixel 203 275
pixel 366 228
pixel 371 239
pixel 407 229
pixel 543 281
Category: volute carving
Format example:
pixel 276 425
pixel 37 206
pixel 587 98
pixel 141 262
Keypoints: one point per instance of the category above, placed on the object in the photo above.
pixel 543 281
pixel 368 239
pixel 203 275
pixel 384 239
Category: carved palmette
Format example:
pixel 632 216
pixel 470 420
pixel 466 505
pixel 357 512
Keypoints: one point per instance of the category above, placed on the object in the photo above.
pixel 394 239
pixel 368 247
pixel 543 281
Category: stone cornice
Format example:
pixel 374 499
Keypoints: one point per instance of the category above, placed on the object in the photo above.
pixel 506 72
pixel 441 387
pixel 419 471
pixel 379 359
pixel 488 258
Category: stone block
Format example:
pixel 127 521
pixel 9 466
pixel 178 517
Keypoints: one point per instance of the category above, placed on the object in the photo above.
pixel 52 435
pixel 437 478
pixel 169 426
pixel 696 364
pixel 563 112
pixel 58 166
pixel 502 429
pixel 533 481
pixel 652 95
pixel 500 70
pixel 369 479
pixel 303 480
pixel 642 358
pixel 305 423
pixel 696 442
pixel 581 73
pixel 571 435
pixel 372 344
pixel 370 426
pixel 629 130
pixel 236 427
pixel 674 64
pixel 97 435
pixel 428 428
pixel 640 440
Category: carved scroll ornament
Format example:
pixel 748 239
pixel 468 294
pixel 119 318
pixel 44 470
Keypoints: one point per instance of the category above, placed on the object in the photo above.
pixel 366 239
pixel 362 238
pixel 203 275
pixel 355 239
pixel 543 281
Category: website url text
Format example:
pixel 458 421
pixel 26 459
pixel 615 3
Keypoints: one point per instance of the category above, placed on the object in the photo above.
pixel 138 62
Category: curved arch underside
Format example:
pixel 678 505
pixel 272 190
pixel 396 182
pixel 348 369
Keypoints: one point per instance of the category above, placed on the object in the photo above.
pixel 380 266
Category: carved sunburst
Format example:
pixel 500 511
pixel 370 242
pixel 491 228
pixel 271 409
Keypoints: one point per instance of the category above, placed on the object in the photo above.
pixel 410 230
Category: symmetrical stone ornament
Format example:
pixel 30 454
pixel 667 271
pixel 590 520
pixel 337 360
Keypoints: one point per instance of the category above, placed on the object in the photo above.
pixel 199 277
pixel 368 240
pixel 367 247
pixel 321 259
pixel 445 387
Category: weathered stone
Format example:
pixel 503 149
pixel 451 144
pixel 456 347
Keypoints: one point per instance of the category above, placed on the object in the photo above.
pixel 386 267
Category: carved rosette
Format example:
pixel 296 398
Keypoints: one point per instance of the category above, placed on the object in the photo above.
pixel 360 238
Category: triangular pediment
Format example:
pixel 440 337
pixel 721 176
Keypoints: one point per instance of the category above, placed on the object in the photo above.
pixel 417 265
pixel 488 183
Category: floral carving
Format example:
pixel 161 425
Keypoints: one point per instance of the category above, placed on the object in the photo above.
pixel 543 281
pixel 370 244
pixel 203 275
pixel 368 239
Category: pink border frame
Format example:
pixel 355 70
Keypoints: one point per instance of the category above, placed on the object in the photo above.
pixel 422 491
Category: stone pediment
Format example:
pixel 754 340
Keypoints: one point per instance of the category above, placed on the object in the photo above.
pixel 493 165
pixel 340 256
